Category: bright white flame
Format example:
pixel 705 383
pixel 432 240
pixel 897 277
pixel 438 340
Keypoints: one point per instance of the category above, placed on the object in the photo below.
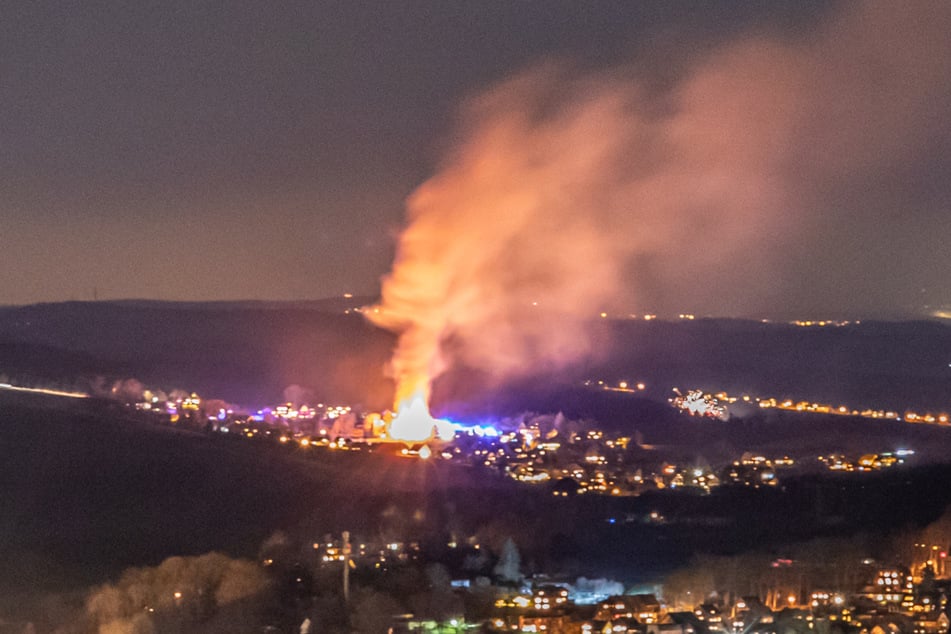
pixel 414 423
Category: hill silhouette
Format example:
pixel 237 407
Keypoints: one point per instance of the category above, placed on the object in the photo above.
pixel 249 352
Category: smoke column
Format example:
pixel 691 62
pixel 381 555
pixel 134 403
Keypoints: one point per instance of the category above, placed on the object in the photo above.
pixel 571 193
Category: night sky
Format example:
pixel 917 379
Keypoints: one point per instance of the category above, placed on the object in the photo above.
pixel 242 150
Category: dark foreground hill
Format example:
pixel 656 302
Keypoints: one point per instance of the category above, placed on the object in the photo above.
pixel 87 492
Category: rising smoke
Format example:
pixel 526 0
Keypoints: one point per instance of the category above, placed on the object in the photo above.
pixel 574 193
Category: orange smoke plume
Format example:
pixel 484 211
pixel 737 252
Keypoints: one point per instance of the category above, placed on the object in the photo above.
pixel 568 195
pixel 525 233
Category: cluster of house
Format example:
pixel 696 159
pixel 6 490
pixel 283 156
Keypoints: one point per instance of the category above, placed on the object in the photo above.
pixel 548 609
pixel 894 602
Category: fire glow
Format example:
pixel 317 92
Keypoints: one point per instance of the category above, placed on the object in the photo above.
pixel 570 195
pixel 413 422
pixel 532 222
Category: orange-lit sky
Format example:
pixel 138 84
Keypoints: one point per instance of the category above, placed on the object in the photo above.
pixel 260 150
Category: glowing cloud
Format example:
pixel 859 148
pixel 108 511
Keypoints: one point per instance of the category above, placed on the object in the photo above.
pixel 569 195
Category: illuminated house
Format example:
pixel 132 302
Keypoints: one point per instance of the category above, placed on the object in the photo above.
pixel 933 623
pixel 642 608
pixel 891 590
pixel 547 609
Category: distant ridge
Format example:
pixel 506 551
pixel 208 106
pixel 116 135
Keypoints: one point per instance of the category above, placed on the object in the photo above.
pixel 251 351
pixel 327 304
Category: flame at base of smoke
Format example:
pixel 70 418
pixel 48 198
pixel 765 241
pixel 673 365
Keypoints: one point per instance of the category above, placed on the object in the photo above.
pixel 413 422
